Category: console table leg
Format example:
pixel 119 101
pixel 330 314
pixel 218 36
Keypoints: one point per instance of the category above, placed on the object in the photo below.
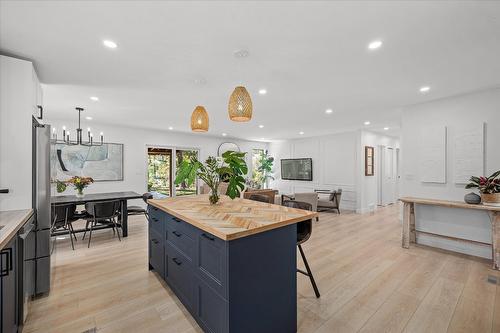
pixel 407 213
pixel 413 233
pixel 495 239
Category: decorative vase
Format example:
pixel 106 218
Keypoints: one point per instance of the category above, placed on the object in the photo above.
pixel 491 199
pixel 214 196
pixel 472 198
pixel 79 193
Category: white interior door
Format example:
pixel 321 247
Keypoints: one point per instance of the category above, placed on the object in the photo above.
pixel 389 175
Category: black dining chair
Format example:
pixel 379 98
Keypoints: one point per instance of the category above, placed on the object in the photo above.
pixel 138 210
pixel 63 216
pixel 260 197
pixel 102 212
pixel 304 230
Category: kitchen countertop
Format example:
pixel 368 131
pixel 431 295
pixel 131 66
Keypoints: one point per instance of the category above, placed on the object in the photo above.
pixel 10 223
pixel 231 219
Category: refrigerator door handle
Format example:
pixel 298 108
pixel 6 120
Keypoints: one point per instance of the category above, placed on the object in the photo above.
pixel 4 190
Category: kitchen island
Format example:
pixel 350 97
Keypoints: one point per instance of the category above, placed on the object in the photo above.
pixel 233 265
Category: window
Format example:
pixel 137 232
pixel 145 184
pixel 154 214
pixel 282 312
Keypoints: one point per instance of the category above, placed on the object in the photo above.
pixel 160 171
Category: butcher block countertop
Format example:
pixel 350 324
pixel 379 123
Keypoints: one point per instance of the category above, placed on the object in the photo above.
pixel 10 223
pixel 231 219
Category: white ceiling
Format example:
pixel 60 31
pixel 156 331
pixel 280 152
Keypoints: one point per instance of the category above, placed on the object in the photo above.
pixel 310 56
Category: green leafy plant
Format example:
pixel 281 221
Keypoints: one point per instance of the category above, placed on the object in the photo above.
pixel 486 185
pixel 61 186
pixel 230 169
pixel 264 169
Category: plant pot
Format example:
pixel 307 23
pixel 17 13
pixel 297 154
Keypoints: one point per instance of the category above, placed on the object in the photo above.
pixel 491 199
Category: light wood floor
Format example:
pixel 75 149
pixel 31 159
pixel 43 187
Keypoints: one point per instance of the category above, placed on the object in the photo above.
pixel 368 283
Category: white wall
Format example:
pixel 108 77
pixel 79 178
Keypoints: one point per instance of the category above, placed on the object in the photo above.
pixel 369 185
pixel 338 162
pixel 454 113
pixel 334 164
pixel 136 140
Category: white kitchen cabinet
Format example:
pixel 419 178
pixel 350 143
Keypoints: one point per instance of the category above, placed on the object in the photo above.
pixel 20 93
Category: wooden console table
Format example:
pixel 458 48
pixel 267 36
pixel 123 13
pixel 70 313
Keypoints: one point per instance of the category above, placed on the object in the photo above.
pixel 409 232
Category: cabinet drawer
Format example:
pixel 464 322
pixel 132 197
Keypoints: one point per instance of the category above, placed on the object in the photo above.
pixel 212 262
pixel 211 309
pixel 175 223
pixel 156 252
pixel 182 241
pixel 181 276
pixel 156 219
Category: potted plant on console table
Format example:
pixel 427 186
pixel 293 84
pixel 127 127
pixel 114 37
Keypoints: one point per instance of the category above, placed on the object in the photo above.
pixel 79 183
pixel 231 168
pixel 489 187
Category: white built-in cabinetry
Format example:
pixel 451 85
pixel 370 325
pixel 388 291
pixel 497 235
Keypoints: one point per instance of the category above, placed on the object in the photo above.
pixel 20 95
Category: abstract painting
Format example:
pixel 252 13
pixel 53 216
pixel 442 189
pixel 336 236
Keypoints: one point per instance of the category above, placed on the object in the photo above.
pixel 102 163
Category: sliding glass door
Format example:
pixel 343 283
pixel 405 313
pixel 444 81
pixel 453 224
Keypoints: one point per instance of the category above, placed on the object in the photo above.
pixel 162 165
pixel 160 171
pixel 182 188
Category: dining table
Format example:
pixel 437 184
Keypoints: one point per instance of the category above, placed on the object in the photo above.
pixel 94 197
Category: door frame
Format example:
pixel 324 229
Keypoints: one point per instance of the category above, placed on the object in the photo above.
pixel 173 166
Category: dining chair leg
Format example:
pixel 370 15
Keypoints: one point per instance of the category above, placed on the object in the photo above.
pixel 116 226
pixel 71 237
pixel 309 273
pixel 90 233
pixel 73 232
pixel 86 228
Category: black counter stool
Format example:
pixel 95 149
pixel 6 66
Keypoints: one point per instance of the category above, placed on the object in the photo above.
pixel 138 210
pixel 102 212
pixel 304 230
pixel 63 217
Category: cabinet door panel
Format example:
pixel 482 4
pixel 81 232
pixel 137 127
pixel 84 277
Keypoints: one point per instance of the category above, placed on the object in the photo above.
pixel 8 288
pixel 212 262
pixel 181 276
pixel 211 309
pixel 156 252
pixel 156 219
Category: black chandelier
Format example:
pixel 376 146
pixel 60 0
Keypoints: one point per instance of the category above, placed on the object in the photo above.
pixel 79 137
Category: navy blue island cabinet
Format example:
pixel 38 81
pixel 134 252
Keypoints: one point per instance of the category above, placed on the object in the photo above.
pixel 233 269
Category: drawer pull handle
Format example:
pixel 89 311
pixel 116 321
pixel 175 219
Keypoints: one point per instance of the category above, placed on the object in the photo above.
pixel 178 234
pixel 154 208
pixel 155 219
pixel 155 241
pixel 176 219
pixel 177 261
pixel 208 237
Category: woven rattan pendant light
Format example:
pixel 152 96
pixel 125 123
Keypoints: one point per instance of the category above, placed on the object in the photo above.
pixel 199 119
pixel 240 105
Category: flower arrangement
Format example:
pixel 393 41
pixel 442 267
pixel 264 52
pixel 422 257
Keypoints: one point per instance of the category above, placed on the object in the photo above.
pixel 489 187
pixel 79 183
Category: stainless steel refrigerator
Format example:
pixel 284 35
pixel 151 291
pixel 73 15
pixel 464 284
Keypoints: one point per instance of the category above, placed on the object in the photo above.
pixel 41 205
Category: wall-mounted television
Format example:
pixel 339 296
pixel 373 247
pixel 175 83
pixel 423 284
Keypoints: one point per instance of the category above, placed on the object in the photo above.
pixel 297 169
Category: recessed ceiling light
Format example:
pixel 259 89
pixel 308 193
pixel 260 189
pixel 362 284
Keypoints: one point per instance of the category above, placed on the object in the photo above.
pixel 386 128
pixel 425 89
pixel 262 91
pixel 94 98
pixel 301 133
pixel 241 53
pixel 88 118
pixel 224 134
pixel 109 43
pixel 261 126
pixel 375 44
pixel 328 111
pixel 170 128
pixel 366 123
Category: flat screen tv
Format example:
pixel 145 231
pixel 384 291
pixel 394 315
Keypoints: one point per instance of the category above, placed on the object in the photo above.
pixel 297 169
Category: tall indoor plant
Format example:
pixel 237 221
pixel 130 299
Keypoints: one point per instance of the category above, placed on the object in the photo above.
pixel 264 169
pixel 231 168
pixel 489 187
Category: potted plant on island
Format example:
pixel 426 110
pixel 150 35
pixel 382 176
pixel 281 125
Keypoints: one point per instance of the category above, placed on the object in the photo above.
pixel 231 168
pixel 79 183
pixel 489 187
